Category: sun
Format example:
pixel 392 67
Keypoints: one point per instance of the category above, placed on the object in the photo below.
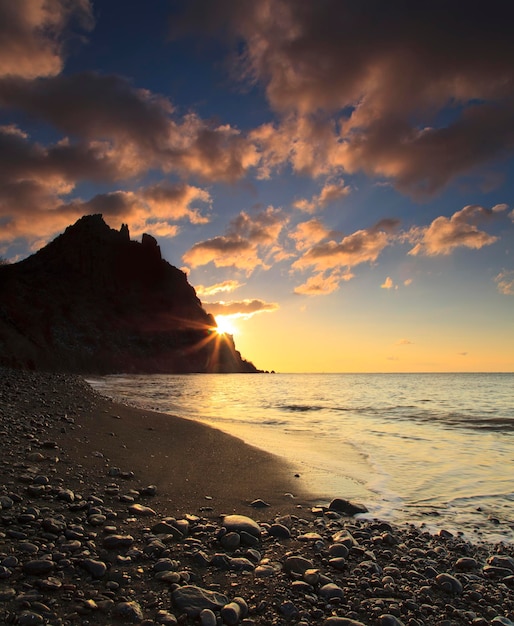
pixel 225 325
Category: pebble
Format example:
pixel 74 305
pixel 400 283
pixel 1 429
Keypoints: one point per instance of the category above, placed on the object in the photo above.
pixel 192 600
pixel 75 549
pixel 241 524
pixel 129 612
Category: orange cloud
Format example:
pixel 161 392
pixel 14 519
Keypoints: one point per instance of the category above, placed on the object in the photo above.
pixel 225 287
pixel 243 308
pixel 331 192
pixel 359 247
pixel 247 242
pixel 321 284
pixel 445 234
pixel 31 32
pixel 224 252
pixel 307 234
pixel 388 284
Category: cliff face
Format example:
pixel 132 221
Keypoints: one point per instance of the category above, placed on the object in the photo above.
pixel 93 301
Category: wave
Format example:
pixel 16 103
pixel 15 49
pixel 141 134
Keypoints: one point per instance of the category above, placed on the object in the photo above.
pixel 300 408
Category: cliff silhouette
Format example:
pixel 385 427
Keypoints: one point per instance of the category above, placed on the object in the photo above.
pixel 93 301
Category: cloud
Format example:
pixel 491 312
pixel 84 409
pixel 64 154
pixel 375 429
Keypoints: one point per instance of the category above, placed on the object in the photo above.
pixel 331 192
pixel 33 34
pixel 307 234
pixel 362 246
pixel 404 342
pixel 36 182
pixel 138 126
pixel 242 308
pixel 505 282
pixel 419 93
pixel 226 286
pixel 322 284
pixel 248 241
pixel 388 284
pixel 444 234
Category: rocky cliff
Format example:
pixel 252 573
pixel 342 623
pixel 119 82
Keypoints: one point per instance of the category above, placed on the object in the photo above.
pixel 93 301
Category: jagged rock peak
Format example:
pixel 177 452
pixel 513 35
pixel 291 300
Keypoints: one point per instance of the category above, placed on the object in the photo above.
pixel 92 300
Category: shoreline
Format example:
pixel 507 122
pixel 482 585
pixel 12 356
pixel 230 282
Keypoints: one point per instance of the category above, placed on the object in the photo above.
pixel 108 512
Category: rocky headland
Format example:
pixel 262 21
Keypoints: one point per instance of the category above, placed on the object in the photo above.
pixel 114 515
pixel 93 301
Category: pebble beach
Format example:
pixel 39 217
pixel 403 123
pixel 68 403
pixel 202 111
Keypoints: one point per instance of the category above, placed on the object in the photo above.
pixel 111 514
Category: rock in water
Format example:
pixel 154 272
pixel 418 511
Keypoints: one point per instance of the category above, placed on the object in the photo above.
pixel 346 507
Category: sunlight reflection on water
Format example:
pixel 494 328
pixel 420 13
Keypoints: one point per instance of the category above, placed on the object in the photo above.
pixel 429 448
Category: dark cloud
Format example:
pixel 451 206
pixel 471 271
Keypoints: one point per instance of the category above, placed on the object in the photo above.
pixel 138 125
pixel 248 239
pixel 422 92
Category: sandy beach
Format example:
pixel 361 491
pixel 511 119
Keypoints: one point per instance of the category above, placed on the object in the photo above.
pixel 115 513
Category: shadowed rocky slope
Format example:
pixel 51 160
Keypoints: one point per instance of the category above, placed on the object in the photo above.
pixel 93 301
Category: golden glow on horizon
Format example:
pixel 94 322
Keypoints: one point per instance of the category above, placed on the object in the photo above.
pixel 225 325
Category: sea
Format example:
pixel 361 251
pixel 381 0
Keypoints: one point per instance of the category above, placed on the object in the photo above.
pixel 433 450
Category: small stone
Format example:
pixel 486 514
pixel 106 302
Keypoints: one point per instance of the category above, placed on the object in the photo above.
pixel 331 591
pixel 338 550
pixel 128 612
pixel 344 537
pixel 466 564
pixel 297 565
pixel 259 504
pixel 288 610
pixel 164 528
pixel 346 507
pixel 242 604
pixel 311 576
pixel 35 457
pixel 96 519
pixel 7 594
pixel 279 531
pixel 500 560
pixel 207 618
pixel 140 509
pixel 449 583
pixel 66 494
pixel 231 613
pixel 38 567
pixel 230 541
pixel 192 600
pixel 265 571
pixel 242 523
pixel 341 621
pixel 166 618
pixel 113 542
pixel 389 620
pixel 96 568
pixel 338 563
pixel 30 618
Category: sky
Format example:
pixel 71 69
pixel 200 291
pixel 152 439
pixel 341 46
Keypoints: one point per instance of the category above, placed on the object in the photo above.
pixel 334 176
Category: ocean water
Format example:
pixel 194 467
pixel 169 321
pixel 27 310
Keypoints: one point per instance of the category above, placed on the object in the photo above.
pixel 436 450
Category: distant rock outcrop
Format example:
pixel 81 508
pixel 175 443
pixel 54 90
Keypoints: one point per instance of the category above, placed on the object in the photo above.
pixel 93 301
